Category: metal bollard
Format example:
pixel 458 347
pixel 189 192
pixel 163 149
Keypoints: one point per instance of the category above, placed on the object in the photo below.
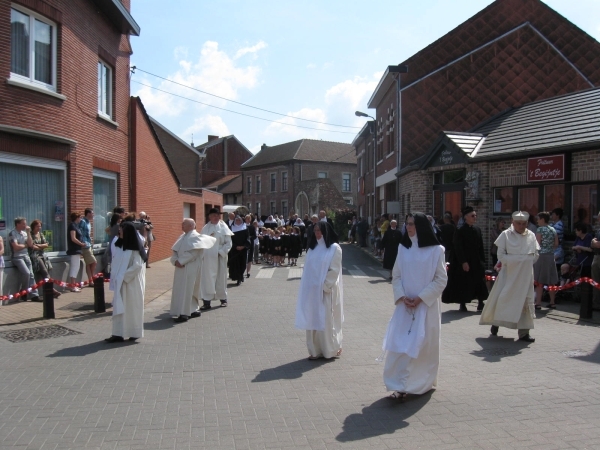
pixel 99 304
pixel 49 300
pixel 586 310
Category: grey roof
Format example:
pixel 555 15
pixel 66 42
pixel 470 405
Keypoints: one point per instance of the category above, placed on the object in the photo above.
pixel 467 142
pixel 303 150
pixel 560 123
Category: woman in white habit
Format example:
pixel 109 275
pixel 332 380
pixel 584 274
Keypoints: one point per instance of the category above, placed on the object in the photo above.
pixel 412 340
pixel 128 281
pixel 319 309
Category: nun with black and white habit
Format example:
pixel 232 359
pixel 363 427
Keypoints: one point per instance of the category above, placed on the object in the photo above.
pixel 238 254
pixel 319 308
pixel 128 281
pixel 412 339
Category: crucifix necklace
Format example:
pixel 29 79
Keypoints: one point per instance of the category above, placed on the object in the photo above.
pixel 412 312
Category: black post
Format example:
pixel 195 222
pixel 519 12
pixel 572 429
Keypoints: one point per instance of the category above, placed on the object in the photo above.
pixel 99 305
pixel 586 310
pixel 49 300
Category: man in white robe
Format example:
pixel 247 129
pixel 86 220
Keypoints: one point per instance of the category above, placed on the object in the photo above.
pixel 319 308
pixel 213 282
pixel 187 259
pixel 412 340
pixel 511 300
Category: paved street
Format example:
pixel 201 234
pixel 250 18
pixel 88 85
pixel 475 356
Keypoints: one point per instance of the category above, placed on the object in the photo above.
pixel 238 378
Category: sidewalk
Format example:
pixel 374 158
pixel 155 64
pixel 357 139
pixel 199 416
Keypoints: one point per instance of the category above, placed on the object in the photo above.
pixel 159 280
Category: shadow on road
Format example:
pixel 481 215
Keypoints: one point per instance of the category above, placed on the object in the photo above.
pixel 452 316
pixel 88 349
pixel 379 281
pixel 164 322
pixel 494 348
pixel 384 416
pixel 290 371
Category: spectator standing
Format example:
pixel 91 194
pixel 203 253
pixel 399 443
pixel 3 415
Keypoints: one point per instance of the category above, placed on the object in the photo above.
pixel 362 229
pixel 39 261
pixel 447 231
pixel 74 248
pixel 145 220
pixel 544 269
pixel 596 268
pixel 1 264
pixel 85 227
pixel 390 242
pixel 20 241
pixel 510 303
pixel 557 224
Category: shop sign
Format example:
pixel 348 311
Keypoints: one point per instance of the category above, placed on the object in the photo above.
pixel 546 168
pixel 448 156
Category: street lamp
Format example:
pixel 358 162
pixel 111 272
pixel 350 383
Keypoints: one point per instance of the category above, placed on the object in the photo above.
pixel 374 133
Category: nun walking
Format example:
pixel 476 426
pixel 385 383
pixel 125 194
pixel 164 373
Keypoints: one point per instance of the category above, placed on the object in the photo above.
pixel 238 254
pixel 412 339
pixel 319 308
pixel 128 281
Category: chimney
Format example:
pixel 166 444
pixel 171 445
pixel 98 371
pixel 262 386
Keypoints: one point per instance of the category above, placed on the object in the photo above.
pixel 262 147
pixel 212 137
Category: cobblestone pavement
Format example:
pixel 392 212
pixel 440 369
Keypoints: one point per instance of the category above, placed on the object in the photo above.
pixel 238 378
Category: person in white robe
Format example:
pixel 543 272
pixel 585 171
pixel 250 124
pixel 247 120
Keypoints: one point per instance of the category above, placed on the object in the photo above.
pixel 412 339
pixel 511 302
pixel 319 308
pixel 187 259
pixel 128 281
pixel 213 281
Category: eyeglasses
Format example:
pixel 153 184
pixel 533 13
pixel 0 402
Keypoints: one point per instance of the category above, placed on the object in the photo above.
pixel 409 224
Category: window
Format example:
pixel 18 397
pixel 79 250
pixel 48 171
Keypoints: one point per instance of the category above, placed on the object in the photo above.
pixel 273 208
pixel 322 175
pixel 105 199
pixel 284 184
pixel 554 196
pixel 273 182
pixel 32 48
pixel 529 200
pixel 258 212
pixel 361 166
pixel 248 185
pixel 284 208
pixel 104 89
pixel 249 206
pixel 346 180
pixel 348 200
pixel 258 184
pixel 584 203
pixel 379 151
pixel 44 199
pixel 503 200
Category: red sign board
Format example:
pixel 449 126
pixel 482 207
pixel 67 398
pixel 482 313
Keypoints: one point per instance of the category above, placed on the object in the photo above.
pixel 546 168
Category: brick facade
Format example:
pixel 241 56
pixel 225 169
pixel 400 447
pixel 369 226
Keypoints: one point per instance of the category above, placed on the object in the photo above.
pixel 222 158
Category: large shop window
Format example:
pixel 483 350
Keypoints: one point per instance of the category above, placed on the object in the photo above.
pixel 105 199
pixel 503 200
pixel 584 201
pixel 34 189
pixel 32 48
pixel 529 200
pixel 554 196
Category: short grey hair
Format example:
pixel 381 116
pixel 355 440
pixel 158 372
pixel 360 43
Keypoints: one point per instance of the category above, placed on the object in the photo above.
pixel 19 219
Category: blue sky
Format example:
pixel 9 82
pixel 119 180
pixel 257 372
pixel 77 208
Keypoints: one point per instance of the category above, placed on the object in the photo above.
pixel 318 60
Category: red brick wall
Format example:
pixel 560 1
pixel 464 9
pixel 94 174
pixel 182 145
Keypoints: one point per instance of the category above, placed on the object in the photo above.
pixel 213 166
pixel 81 32
pixel 157 191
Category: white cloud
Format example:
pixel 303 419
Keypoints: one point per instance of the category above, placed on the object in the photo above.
pixel 311 66
pixel 214 71
pixel 280 128
pixel 205 125
pixel 352 94
pixel 253 49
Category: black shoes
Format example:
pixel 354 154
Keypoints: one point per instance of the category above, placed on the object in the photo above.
pixel 195 314
pixel 248 275
pixel 463 308
pixel 480 306
pixel 494 330
pixel 206 305
pixel 113 339
pixel 181 319
pixel 223 303
pixel 238 282
pixel 35 299
pixel 527 338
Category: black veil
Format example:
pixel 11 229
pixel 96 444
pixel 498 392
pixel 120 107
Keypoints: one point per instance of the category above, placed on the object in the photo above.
pixel 131 240
pixel 329 235
pixel 425 234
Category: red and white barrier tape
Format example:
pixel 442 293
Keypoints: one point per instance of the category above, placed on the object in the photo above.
pixel 559 288
pixel 60 283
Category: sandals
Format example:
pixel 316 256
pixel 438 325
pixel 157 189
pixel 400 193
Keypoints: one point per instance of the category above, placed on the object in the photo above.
pixel 313 358
pixel 397 395
pixel 551 306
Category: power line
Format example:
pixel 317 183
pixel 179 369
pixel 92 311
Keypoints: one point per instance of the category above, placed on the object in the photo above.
pixel 133 68
pixel 242 114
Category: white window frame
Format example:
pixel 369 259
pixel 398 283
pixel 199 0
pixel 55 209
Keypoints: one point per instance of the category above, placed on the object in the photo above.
pixel 273 177
pixel 258 211
pixel 108 96
pixel 285 211
pixel 114 177
pixel 284 188
pixel 349 182
pixel 273 208
pixel 30 81
pixel 258 182
pixel 14 158
pixel 249 185
pixel 322 171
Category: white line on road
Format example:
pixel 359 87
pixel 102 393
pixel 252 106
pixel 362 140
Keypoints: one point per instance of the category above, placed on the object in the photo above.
pixel 265 273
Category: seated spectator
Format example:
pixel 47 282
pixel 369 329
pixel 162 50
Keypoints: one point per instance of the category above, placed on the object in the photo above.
pixel 582 254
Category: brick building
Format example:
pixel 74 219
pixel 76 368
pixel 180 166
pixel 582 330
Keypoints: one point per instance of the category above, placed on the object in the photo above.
pixel 512 53
pixel 275 179
pixel 223 156
pixel 67 134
